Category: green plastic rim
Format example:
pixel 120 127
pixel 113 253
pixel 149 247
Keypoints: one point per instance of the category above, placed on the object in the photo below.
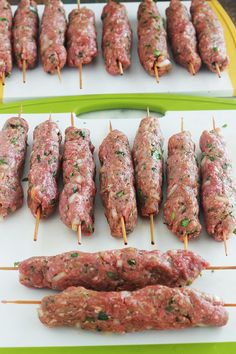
pixel 160 103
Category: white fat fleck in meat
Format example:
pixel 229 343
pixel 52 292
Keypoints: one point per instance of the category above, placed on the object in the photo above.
pixel 125 294
pixel 114 213
pixel 164 63
pixel 79 179
pixel 59 276
pixel 173 189
pixel 221 199
pixel 119 263
pixel 72 198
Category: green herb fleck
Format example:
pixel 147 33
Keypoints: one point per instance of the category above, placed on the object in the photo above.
pixel 89 319
pixel 215 49
pixel 169 307
pixel 3 19
pixel 209 146
pixel 120 194
pixel 102 316
pixel 2 162
pixel 75 189
pixel 74 255
pixel 14 141
pixel 224 125
pixel 16 264
pixel 234 232
pixel 173 215
pixel 25 179
pixel 38 158
pixel 46 153
pixel 156 53
pixel 154 169
pixel 112 275
pixel 82 134
pixel 53 201
pixel 120 153
pixel 155 154
pixel 185 222
pixel 131 262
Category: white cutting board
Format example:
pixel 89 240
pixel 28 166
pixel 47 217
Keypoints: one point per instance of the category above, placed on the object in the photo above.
pixel 97 80
pixel 19 325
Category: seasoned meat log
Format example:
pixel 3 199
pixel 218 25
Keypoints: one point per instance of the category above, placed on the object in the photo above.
pixel 5 39
pixel 52 36
pixel 210 35
pixel 152 44
pixel 181 208
pixel 44 168
pixel 13 144
pixel 116 37
pixel 218 190
pixel 153 307
pixel 124 269
pixel 148 163
pixel 76 205
pixel 117 182
pixel 25 34
pixel 81 37
pixel 182 35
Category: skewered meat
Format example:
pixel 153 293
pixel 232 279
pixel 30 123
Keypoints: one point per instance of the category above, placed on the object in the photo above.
pixel 77 198
pixel 153 307
pixel 148 162
pixel 52 36
pixel 5 39
pixel 218 189
pixel 210 35
pixel 182 35
pixel 181 208
pixel 44 168
pixel 25 34
pixel 124 269
pixel 152 44
pixel 117 182
pixel 81 37
pixel 116 37
pixel 13 144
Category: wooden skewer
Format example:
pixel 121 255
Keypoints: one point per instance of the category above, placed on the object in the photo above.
pixel 120 68
pixel 152 229
pixel 218 70
pixel 24 71
pixel 110 126
pixel 3 78
pixel 208 268
pixel 79 234
pixel 59 73
pixel 80 76
pixel 38 302
pixel 78 3
pixel 72 122
pixel 191 69
pixel 224 236
pixel 38 215
pixel 156 73
pixel 123 230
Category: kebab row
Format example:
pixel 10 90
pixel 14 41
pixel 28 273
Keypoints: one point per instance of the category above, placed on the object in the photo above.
pixel 122 291
pixel 193 41
pixel 123 175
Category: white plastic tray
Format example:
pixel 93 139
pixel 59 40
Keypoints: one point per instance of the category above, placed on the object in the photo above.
pixel 19 325
pixel 97 80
